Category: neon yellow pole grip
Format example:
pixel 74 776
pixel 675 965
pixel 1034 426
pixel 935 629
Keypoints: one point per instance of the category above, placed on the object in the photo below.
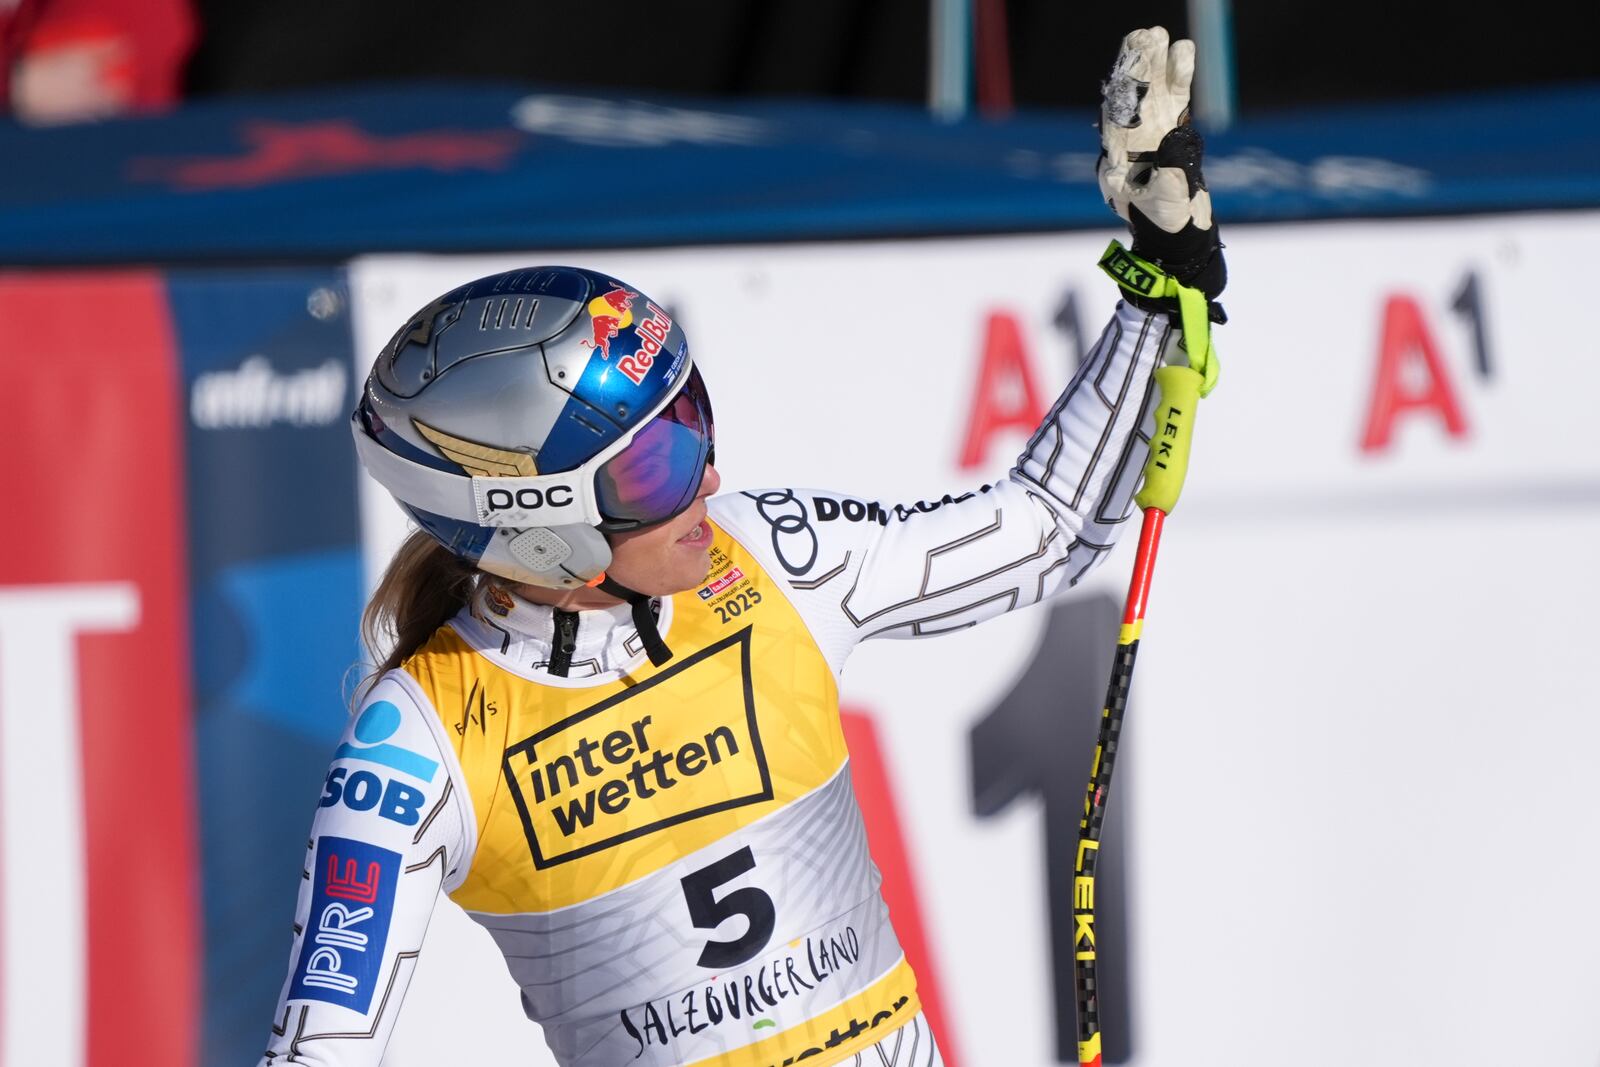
pixel 1181 387
pixel 1169 447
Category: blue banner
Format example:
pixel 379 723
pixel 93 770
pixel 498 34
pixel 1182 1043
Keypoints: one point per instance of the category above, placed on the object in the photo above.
pixel 276 590
pixel 332 175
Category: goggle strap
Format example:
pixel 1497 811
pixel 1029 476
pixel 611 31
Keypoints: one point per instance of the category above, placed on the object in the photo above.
pixel 644 619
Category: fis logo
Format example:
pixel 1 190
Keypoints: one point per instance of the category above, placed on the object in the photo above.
pixel 352 899
pixel 362 790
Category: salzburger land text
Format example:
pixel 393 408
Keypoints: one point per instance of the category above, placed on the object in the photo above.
pixel 744 995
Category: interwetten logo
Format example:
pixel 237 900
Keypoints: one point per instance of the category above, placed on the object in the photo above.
pixel 635 763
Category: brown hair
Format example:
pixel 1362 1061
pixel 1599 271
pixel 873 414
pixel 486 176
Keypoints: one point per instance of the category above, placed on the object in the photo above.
pixel 424 585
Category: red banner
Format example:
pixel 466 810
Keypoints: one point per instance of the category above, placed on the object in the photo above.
pixel 99 890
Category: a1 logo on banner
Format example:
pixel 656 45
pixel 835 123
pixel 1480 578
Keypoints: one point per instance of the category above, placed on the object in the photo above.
pixel 1412 377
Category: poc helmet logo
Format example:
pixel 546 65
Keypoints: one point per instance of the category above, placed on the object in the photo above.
pixel 531 499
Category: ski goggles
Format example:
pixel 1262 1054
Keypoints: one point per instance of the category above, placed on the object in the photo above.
pixel 657 475
pixel 647 476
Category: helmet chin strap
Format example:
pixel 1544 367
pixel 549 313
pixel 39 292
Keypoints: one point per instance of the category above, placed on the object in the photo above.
pixel 644 620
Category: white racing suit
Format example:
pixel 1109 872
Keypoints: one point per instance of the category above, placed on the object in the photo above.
pixel 671 858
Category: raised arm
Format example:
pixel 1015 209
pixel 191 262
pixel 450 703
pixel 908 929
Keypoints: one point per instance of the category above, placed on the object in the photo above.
pixel 858 569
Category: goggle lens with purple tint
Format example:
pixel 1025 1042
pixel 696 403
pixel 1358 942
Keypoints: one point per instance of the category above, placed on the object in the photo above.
pixel 657 476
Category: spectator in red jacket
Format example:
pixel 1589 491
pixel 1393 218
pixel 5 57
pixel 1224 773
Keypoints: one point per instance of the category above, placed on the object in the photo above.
pixel 72 60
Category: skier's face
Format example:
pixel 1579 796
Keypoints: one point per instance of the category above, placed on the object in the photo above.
pixel 670 557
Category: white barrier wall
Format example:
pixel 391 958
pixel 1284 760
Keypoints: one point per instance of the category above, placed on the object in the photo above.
pixel 1361 811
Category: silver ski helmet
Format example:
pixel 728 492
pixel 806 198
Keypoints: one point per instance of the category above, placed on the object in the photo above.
pixel 520 417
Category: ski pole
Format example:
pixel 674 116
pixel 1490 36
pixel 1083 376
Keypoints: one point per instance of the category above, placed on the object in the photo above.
pixel 1180 391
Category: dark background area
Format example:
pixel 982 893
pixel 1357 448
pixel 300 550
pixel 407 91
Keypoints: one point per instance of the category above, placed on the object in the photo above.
pixel 1287 55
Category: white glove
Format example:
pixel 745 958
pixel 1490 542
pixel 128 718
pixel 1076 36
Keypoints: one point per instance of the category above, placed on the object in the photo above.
pixel 1145 99
pixel 1150 156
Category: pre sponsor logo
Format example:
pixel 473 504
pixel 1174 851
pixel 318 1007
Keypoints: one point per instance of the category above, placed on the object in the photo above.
pixel 652 335
pixel 256 395
pixel 637 762
pixel 352 900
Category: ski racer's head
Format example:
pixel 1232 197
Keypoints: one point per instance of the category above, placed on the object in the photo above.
pixel 547 425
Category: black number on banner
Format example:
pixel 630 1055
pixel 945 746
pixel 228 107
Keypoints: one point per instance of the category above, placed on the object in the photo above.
pixel 1039 742
pixel 1071 326
pixel 1468 303
pixel 707 912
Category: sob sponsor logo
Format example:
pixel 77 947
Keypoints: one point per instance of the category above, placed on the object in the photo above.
pixel 636 762
pixel 362 790
pixel 652 335
pixel 352 899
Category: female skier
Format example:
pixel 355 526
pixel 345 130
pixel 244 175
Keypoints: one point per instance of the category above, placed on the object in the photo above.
pixel 608 722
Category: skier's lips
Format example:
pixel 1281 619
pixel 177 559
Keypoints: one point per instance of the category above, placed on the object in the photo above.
pixel 699 536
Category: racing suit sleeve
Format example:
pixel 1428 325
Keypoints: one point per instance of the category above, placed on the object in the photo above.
pixel 857 569
pixel 393 826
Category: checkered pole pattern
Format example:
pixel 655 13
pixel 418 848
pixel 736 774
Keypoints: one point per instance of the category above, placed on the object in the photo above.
pixel 1094 801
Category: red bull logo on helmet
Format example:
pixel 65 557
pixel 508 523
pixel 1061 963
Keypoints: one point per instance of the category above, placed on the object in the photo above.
pixel 609 313
pixel 652 335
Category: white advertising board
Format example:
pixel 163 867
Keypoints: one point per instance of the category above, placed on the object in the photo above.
pixel 1359 810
